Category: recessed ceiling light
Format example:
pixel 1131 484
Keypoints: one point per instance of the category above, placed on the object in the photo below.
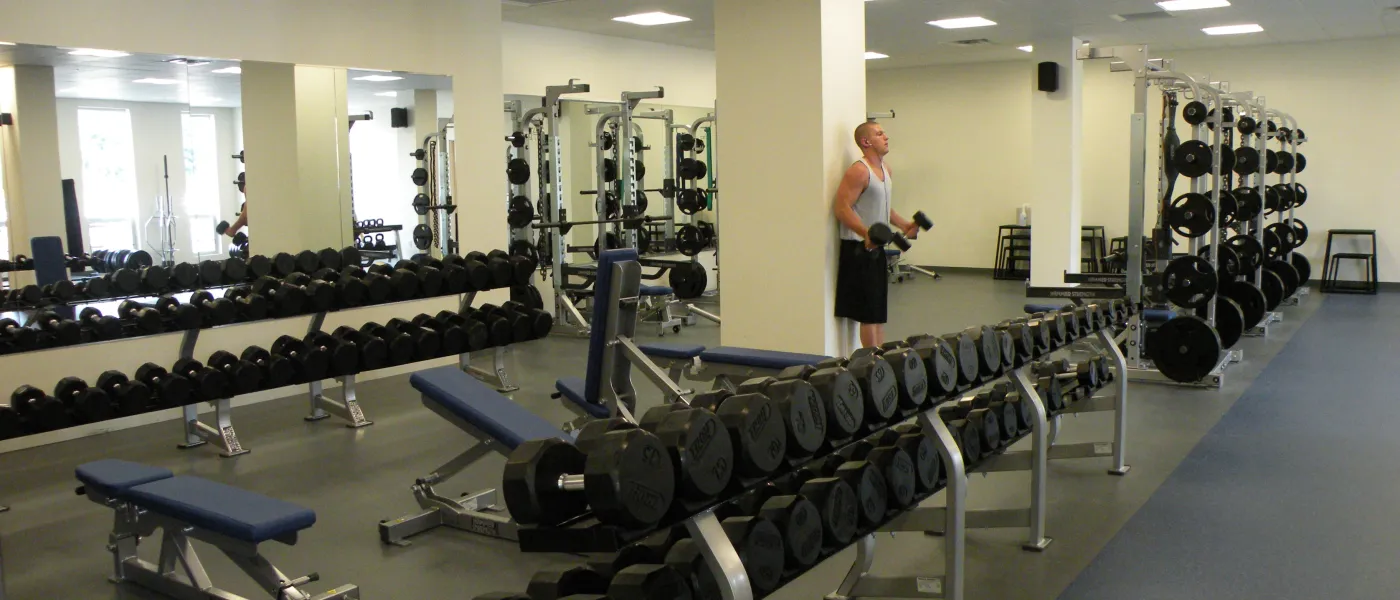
pixel 874 55
pixel 388 94
pixel 378 78
pixel 1233 29
pixel 98 52
pixel 156 81
pixel 1180 5
pixel 962 23
pixel 229 71
pixel 652 18
pixel 1026 48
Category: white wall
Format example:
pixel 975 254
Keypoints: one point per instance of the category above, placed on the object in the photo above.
pixel 536 57
pixel 156 135
pixel 961 143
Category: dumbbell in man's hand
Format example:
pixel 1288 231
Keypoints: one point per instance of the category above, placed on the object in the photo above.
pixel 881 234
pixel 921 221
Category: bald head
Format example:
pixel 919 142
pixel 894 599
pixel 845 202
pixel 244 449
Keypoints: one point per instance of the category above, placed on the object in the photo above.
pixel 870 137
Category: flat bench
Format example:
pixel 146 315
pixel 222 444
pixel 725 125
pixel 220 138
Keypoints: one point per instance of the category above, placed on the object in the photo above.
pixel 232 519
pixel 723 365
pixel 497 423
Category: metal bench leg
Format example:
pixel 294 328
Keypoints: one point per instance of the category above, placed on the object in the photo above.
pixel 197 432
pixel 323 406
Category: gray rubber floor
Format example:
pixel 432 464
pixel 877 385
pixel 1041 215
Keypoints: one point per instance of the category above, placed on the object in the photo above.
pixel 53 540
pixel 1288 496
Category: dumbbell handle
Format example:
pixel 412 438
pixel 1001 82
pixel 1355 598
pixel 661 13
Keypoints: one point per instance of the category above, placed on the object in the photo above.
pixel 571 483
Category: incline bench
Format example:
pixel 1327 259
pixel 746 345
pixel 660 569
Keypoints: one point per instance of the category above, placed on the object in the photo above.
pixel 231 519
pixel 497 423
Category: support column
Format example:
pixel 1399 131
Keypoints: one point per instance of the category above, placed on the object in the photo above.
pixel 296 139
pixel 1055 149
pixel 33 188
pixel 479 183
pixel 777 232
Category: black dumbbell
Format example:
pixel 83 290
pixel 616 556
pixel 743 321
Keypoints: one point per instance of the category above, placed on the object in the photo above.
pixel 128 397
pixel 373 352
pixel 155 279
pixel 258 266
pixel 329 258
pixel 840 395
pixel 350 292
pixel 876 379
pixel 209 384
pixel 478 334
pixel 38 411
pixel 320 296
pixel 311 364
pixel 521 267
pixel 701 451
pixel 283 264
pixel 126 281
pixel 865 479
pixel 285 300
pixel 521 329
pixel 27 295
pixel 250 306
pixel 968 357
pixel 98 325
pixel 140 318
pixel 343 357
pixel 402 348
pixel 984 422
pixel 61 331
pixel 541 323
pixel 96 287
pixel 210 272
pixel 574 582
pixel 1008 416
pixel 454 278
pixel 235 270
pixel 455 338
pixel 427 342
pixel 22 338
pixel 430 279
pixel 170 389
pixel 502 273
pixel 498 330
pixel 405 283
pixel 967 436
pixel 801 409
pixel 214 311
pixel 277 371
pixel 625 480
pixel 307 261
pixel 911 378
pixel 378 288
pixel 758 434
pixel 928 463
pixel 61 291
pixel 85 404
pixel 184 276
pixel 243 376
pixel 479 276
pixel 176 316
pixel 895 465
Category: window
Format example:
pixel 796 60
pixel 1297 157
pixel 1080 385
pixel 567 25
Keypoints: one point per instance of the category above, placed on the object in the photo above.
pixel 109 178
pixel 201 181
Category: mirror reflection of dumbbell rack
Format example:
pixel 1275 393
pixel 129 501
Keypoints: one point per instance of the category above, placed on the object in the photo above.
pixel 1097 327
pixel 369 238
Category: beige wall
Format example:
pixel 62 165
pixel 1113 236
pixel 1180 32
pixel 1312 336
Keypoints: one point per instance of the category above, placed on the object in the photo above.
pixel 961 143
pixel 536 57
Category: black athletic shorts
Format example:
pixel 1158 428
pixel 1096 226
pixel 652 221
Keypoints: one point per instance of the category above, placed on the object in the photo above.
pixel 862 284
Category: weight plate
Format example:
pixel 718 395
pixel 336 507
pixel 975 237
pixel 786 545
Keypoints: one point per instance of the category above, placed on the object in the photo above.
pixel 1190 215
pixel 1300 162
pixel 1304 268
pixel 419 176
pixel 1229 208
pixel 1227 264
pixel 1229 320
pixel 1246 160
pixel 689 240
pixel 1270 161
pixel 1228 118
pixel 640 168
pixel 641 202
pixel 1249 203
pixel 420 204
pixel 520 212
pixel 1273 288
pixel 1227 159
pixel 423 237
pixel 1285 163
pixel 1189 281
pixel 1185 349
pixel 1247 125
pixel 1300 195
pixel 1273 245
pixel 517 171
pixel 609 170
pixel 1286 273
pixel 1192 158
pixel 526 249
pixel 606 140
pixel 1251 252
pixel 1250 298
pixel 1194 112
pixel 1285 234
pixel 1300 232
pixel 1273 200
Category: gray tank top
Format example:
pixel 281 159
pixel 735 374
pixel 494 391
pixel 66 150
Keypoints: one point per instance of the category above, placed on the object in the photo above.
pixel 873 205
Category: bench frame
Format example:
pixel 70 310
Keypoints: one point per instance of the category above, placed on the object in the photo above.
pixel 178 558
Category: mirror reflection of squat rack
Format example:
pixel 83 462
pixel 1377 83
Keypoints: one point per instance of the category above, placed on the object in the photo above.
pixel 437 214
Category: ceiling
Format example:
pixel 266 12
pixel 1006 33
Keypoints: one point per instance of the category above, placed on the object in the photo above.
pixel 97 78
pixel 898 27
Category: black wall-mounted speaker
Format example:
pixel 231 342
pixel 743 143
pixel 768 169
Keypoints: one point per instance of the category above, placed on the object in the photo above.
pixel 1048 77
pixel 398 117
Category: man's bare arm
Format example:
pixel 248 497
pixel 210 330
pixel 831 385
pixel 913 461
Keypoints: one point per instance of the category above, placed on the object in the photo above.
pixel 852 185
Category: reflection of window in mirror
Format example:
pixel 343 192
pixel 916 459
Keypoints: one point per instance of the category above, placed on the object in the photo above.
pixel 201 181
pixel 109 177
pixel 4 212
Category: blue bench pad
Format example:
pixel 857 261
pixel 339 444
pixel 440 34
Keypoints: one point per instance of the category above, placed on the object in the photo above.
pixel 892 252
pixel 1153 315
pixel 766 359
pixel 571 388
pixel 483 407
pixel 656 290
pixel 113 477
pixel 676 350
pixel 223 509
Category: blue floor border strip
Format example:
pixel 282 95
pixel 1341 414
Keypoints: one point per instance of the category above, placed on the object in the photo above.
pixel 1295 493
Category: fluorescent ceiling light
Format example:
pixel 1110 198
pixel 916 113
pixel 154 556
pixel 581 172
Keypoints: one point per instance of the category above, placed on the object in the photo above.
pixel 874 55
pixel 962 23
pixel 188 62
pixel 388 94
pixel 1180 5
pixel 652 18
pixel 1026 48
pixel 1233 29
pixel 98 52
pixel 229 71
pixel 378 78
pixel 12 43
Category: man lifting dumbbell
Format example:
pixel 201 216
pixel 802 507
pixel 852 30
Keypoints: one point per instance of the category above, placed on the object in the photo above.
pixel 862 201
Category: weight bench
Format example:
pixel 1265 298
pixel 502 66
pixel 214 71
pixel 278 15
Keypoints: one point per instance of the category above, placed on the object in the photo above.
pixel 231 519
pixel 497 423
pixel 656 308
pixel 723 365
pixel 1150 315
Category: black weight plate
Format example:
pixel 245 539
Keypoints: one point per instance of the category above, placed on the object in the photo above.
pixel 1250 298
pixel 1194 112
pixel 1189 281
pixel 1273 288
pixel 1227 159
pixel 1300 263
pixel 689 240
pixel 1300 195
pixel 1300 162
pixel 422 237
pixel 1229 208
pixel 421 203
pixel 1190 215
pixel 517 171
pixel 1193 158
pixel 1249 203
pixel 1286 273
pixel 1300 232
pixel 1285 234
pixel 1185 349
pixel 1285 163
pixel 609 170
pixel 1228 118
pixel 1250 251
pixel 1273 200
pixel 1270 161
pixel 701 451
pixel 1273 245
pixel 1229 320
pixel 1246 160
pixel 1227 265
pixel 419 176
pixel 641 170
pixel 520 212
pixel 1247 125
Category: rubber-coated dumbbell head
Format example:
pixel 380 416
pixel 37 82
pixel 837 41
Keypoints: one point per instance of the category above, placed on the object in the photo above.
pixel 244 376
pixel 756 429
pixel 129 397
pixel 277 370
pixel 701 452
pixel 170 390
